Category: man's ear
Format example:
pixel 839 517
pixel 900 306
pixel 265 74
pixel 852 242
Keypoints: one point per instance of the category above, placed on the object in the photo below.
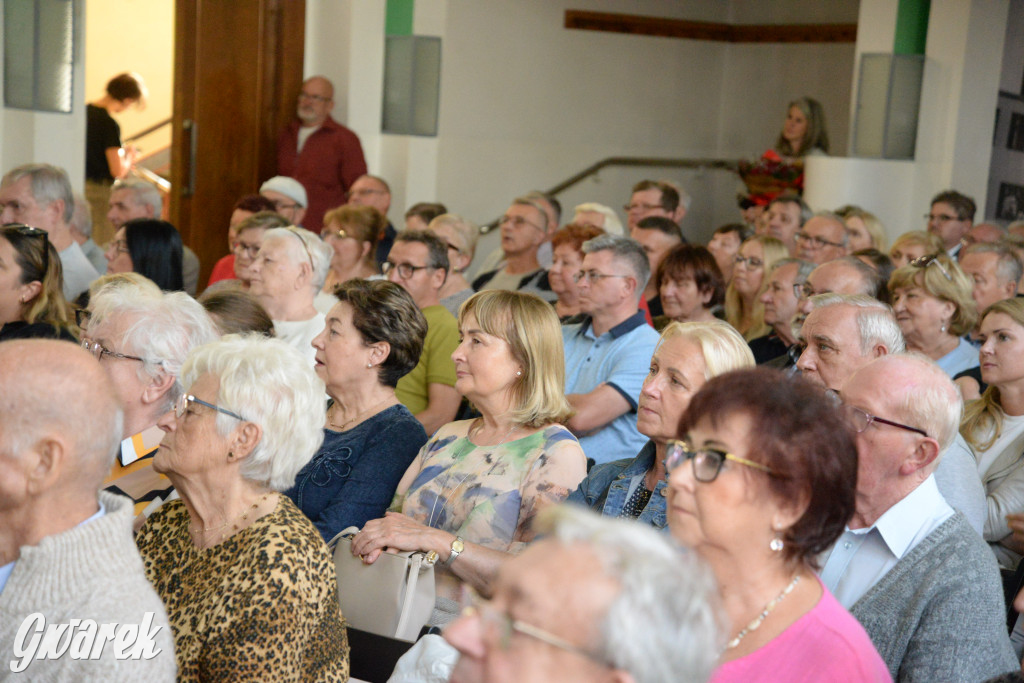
pixel 157 388
pixel 49 458
pixel 926 450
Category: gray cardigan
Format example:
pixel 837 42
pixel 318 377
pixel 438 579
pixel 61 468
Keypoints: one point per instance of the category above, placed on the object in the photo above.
pixel 938 615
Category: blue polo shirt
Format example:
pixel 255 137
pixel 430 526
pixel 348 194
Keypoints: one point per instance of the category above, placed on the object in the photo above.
pixel 619 358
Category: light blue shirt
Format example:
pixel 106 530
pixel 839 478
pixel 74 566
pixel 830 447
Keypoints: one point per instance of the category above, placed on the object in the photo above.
pixel 619 358
pixel 963 357
pixel 8 569
pixel 863 556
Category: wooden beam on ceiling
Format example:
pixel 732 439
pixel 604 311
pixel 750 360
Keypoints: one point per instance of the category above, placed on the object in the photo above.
pixel 703 30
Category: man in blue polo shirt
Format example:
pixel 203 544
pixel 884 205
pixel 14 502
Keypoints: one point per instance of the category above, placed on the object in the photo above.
pixel 607 355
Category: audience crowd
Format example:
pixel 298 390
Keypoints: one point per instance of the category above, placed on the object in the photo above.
pixel 793 453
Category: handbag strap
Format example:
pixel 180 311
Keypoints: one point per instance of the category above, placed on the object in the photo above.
pixel 416 562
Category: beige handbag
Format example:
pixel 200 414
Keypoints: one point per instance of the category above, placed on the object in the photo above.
pixel 392 597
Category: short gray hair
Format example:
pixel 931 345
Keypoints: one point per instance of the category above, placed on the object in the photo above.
pixel 81 218
pixel 1009 267
pixel 804 268
pixel 270 383
pixel 876 323
pixel 467 231
pixel 160 327
pixel 312 248
pixel 627 252
pixel 835 218
pixel 49 183
pixel 664 624
pixel 612 222
pixel 143 192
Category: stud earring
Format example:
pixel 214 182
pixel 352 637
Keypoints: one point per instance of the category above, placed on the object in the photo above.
pixel 369 365
pixel 519 373
pixel 776 543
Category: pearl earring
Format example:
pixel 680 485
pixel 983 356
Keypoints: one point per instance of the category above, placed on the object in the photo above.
pixel 776 543
pixel 519 373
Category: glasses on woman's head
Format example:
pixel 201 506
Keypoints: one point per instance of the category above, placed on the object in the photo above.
pixel 862 419
pixel 98 350
pixel 181 405
pixel 706 462
pixel 35 233
pixel 295 231
pixel 928 260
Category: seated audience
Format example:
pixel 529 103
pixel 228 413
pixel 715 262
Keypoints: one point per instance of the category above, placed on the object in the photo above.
pixel 863 229
pixel 876 259
pixel 687 356
pixel 779 298
pixel 690 286
pixel 374 336
pixel 81 231
pixel 524 228
pixel 786 214
pixel 761 482
pixel 607 353
pixel 743 308
pixel 657 235
pixel 725 245
pixel 289 198
pixel 288 272
pixel 418 262
pixel 655 198
pixel 248 583
pixel 567 260
pixel 370 190
pixel 473 491
pixel 419 215
pixel 461 237
pixel 234 311
pixel 598 216
pixel 931 298
pixel 151 248
pixel 994 424
pixel 248 240
pixel 843 334
pixel 823 238
pixel 351 231
pixel 848 275
pixel 32 302
pixel 567 594
pixel 248 205
pixel 141 338
pixel 66 552
pixel 983 233
pixel 915 574
pixel 913 245
pixel 950 218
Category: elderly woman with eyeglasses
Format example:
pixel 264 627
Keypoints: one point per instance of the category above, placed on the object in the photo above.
pixel 32 303
pixel 761 482
pixel 247 581
pixel 351 231
pixel 246 245
pixel 931 297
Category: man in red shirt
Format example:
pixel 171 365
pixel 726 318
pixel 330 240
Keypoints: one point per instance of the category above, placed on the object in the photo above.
pixel 319 152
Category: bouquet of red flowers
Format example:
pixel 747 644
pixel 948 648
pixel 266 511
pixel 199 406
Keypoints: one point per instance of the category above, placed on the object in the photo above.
pixel 770 176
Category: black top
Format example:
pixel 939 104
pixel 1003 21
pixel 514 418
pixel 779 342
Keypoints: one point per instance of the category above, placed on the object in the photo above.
pixel 975 374
pixel 654 306
pixel 101 133
pixel 767 347
pixel 23 330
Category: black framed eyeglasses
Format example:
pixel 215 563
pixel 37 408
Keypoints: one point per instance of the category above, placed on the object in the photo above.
pixel 862 419
pixel 82 317
pixel 928 260
pixel 405 270
pixel 706 462
pixel 818 242
pixel 181 405
pixel 99 351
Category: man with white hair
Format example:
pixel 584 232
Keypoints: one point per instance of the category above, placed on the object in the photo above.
pixel 67 558
pixel 289 270
pixel 995 269
pixel 39 195
pixel 137 198
pixel 597 599
pixel 924 585
pixel 81 232
pixel 846 332
pixel 141 336
pixel 599 216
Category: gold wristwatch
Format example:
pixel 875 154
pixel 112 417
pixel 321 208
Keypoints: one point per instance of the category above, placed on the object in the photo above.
pixel 458 545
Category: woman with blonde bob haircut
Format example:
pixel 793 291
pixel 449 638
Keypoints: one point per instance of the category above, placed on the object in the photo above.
pixel 687 356
pixel 912 245
pixel 471 494
pixel 931 297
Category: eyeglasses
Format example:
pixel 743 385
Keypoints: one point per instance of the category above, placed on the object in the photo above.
pixel 99 350
pixel 315 98
pixel 295 231
pixel 518 222
pixel 941 218
pixel 119 246
pixel 82 317
pixel 861 420
pixel 339 234
pixel 817 242
pixel 500 626
pixel 930 259
pixel 281 205
pixel 37 233
pixel 405 270
pixel 593 276
pixel 453 247
pixel 806 291
pixel 707 462
pixel 750 261
pixel 181 405
pixel 249 250
pixel 630 208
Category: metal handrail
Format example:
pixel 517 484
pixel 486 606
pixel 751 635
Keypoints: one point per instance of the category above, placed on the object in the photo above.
pixel 723 164
pixel 143 133
pixel 158 180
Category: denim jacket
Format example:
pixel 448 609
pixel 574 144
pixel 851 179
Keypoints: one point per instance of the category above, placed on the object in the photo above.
pixel 606 488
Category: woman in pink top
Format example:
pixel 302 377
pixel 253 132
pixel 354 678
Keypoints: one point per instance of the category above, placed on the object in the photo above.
pixel 769 486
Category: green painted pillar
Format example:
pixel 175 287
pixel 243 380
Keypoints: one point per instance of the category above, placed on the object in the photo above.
pixel 398 18
pixel 911 26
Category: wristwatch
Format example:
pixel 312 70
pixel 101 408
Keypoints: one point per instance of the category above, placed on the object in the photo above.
pixel 458 545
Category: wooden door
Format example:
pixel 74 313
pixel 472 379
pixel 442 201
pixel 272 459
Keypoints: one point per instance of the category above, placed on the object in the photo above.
pixel 237 72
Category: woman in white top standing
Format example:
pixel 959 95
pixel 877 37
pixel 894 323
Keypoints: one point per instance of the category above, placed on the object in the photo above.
pixel 994 424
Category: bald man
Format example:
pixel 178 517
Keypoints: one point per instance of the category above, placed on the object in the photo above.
pixel 66 549
pixel 319 152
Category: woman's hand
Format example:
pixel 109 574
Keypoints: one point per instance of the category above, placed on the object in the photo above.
pixel 1015 520
pixel 395 532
